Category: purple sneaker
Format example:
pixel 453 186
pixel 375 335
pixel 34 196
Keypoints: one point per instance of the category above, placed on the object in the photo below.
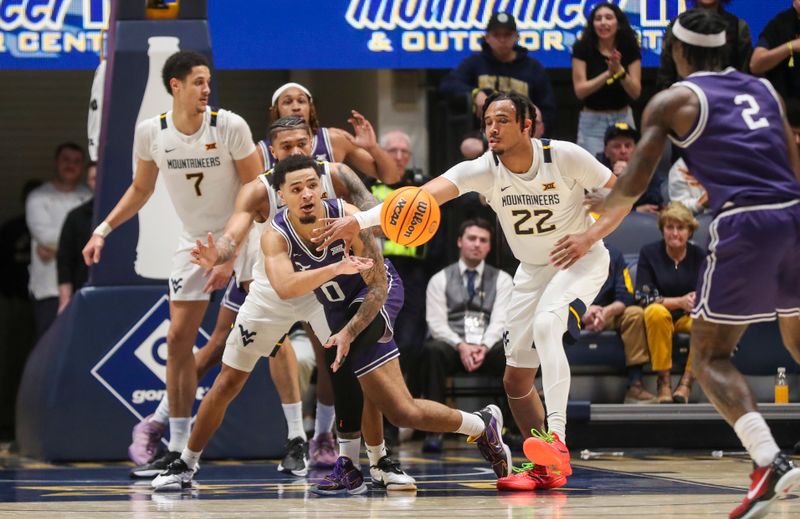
pixel 345 479
pixel 146 436
pixel 322 451
pixel 490 441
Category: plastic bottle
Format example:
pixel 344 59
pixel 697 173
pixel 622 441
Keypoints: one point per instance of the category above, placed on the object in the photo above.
pixel 159 226
pixel 781 387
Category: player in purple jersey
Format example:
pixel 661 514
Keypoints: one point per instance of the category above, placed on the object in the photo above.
pixel 737 142
pixel 362 152
pixel 360 312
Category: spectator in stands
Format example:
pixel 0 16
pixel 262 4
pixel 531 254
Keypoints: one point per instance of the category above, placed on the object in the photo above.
pixel 606 74
pixel 684 188
pixel 778 50
pixel 45 211
pixel 467 305
pixel 740 44
pixel 619 142
pixel 76 231
pixel 409 262
pixel 614 309
pixel 665 282
pixel 503 66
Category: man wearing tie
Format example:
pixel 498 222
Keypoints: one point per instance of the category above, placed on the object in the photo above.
pixel 466 315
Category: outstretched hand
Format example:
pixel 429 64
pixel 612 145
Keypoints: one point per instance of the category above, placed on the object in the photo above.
pixel 341 341
pixel 355 264
pixel 595 200
pixel 205 255
pixel 345 229
pixel 364 132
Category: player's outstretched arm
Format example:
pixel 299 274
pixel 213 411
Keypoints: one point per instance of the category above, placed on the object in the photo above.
pixel 288 283
pixel 251 196
pixel 363 152
pixel 675 109
pixel 348 227
pixel 140 190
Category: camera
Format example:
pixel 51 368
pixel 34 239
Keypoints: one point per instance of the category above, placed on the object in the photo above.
pixel 647 296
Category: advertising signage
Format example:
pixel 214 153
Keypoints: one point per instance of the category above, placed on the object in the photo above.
pixel 344 34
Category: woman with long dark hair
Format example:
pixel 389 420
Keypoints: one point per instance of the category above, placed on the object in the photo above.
pixel 606 74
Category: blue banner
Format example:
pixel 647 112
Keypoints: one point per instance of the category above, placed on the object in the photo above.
pixel 343 34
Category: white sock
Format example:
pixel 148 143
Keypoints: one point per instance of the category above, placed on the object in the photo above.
pixel 756 437
pixel 179 433
pixel 294 420
pixel 548 330
pixel 351 448
pixel 471 424
pixel 326 414
pixel 162 411
pixel 375 452
pixel 190 457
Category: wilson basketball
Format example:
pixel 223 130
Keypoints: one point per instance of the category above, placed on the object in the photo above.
pixel 410 216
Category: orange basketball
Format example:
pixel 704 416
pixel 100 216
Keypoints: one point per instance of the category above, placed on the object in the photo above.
pixel 410 216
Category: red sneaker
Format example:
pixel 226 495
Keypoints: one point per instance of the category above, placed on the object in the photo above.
pixel 769 483
pixel 547 449
pixel 530 477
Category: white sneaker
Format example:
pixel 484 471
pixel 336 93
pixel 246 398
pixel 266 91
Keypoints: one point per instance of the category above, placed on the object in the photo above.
pixel 388 474
pixel 176 477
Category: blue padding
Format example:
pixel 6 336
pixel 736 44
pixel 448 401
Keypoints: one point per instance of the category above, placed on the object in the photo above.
pixel 636 230
pixel 761 351
pixel 66 412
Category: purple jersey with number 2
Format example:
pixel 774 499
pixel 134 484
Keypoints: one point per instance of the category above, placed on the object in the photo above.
pixel 738 152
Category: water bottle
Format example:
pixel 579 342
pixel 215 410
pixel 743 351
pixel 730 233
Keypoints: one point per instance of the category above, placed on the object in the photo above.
pixel 781 387
pixel 159 225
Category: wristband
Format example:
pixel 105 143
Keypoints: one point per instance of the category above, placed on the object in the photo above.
pixel 791 54
pixel 103 230
pixel 370 218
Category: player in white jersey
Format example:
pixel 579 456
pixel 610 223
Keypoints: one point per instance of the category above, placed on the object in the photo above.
pixel 536 187
pixel 264 317
pixel 205 156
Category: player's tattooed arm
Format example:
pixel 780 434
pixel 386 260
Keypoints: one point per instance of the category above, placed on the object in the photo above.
pixel 352 188
pixel 375 278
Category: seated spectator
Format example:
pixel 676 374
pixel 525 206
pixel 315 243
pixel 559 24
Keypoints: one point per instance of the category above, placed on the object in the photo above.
pixel 503 66
pixel 606 74
pixel 740 44
pixel 76 231
pixel 613 309
pixel 466 314
pixel 684 188
pixel 665 285
pixel 619 143
pixel 778 50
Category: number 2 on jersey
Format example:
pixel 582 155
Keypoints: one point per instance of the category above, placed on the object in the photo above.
pixel 526 215
pixel 750 111
pixel 199 177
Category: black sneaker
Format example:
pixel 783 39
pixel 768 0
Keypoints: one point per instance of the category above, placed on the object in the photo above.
pixel 155 467
pixel 176 477
pixel 777 480
pixel 296 461
pixel 388 474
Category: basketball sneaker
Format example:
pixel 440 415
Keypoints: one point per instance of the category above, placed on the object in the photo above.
pixel 769 483
pixel 176 477
pixel 490 441
pixel 345 479
pixel 145 438
pixel 388 474
pixel 531 477
pixel 546 448
pixel 322 451
pixel 295 461
pixel 155 467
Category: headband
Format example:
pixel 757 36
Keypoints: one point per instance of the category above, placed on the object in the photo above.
pixel 286 87
pixel 697 39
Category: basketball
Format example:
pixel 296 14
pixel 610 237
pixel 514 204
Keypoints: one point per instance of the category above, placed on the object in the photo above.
pixel 410 216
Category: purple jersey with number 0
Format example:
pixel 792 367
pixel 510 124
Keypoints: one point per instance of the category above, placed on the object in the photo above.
pixel 737 149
